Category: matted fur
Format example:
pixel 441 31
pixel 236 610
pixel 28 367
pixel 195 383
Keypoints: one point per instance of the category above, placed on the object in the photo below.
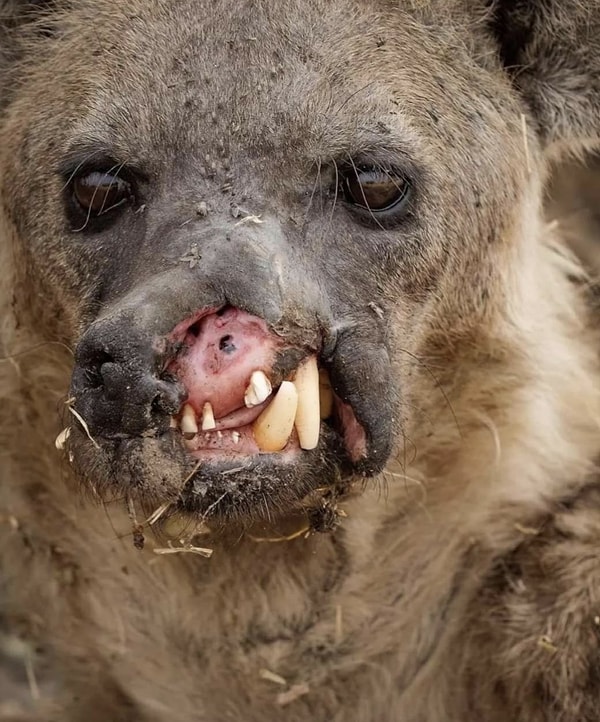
pixel 463 585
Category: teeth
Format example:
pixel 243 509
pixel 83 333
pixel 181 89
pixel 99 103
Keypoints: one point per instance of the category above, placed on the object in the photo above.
pixel 236 436
pixel 173 424
pixel 189 427
pixel 259 389
pixel 308 419
pixel 272 429
pixel 61 439
pixel 325 394
pixel 208 417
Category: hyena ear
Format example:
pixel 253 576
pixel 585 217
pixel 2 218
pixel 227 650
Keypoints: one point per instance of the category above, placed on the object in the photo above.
pixel 551 50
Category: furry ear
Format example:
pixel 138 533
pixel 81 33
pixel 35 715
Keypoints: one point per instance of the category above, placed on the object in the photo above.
pixel 551 49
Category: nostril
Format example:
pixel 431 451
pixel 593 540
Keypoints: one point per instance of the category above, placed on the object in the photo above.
pixel 226 344
pixel 99 358
pixel 194 329
pixel 93 378
pixel 94 368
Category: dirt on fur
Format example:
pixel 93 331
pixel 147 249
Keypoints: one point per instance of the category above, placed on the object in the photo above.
pixel 300 380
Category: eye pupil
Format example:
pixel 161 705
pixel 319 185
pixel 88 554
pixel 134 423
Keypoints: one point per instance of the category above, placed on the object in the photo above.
pixel 375 189
pixel 98 192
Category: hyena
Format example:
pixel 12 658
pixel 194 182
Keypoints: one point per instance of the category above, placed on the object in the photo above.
pixel 300 411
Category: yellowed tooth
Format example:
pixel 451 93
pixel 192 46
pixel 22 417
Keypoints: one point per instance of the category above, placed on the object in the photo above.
pixel 208 417
pixel 236 436
pixel 61 439
pixel 259 389
pixel 173 423
pixel 325 395
pixel 189 427
pixel 272 429
pixel 308 419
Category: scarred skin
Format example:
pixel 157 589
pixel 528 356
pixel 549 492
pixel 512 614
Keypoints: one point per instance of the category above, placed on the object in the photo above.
pixel 434 559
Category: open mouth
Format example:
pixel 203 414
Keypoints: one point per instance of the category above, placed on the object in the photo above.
pixel 260 416
pixel 248 393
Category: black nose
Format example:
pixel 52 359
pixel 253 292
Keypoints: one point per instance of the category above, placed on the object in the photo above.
pixel 118 382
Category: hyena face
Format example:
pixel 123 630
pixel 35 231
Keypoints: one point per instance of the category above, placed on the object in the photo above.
pixel 251 220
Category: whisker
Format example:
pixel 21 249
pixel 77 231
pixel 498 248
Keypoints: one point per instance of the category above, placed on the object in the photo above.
pixel 437 384
pixel 10 357
pixel 352 95
pixel 314 188
pixel 376 220
pixel 115 205
pixel 89 211
pixel 335 197
pixel 78 167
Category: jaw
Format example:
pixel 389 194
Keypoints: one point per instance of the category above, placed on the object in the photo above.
pixel 158 471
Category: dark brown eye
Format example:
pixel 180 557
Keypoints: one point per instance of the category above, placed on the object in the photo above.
pixel 98 192
pixel 375 189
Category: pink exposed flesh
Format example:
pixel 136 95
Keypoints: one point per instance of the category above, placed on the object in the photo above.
pixel 220 354
pixel 354 434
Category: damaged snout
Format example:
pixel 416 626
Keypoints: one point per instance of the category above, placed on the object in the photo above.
pixel 136 366
pixel 222 378
pixel 215 369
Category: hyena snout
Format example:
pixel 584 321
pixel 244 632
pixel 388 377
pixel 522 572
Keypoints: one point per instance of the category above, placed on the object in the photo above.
pixel 133 375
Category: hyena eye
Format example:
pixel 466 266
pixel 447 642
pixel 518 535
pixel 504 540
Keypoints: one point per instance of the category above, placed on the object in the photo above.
pixel 375 189
pixel 100 192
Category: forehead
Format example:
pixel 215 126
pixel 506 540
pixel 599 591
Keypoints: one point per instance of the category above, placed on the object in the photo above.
pixel 316 77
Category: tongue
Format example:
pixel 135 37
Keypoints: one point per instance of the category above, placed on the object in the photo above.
pixel 221 351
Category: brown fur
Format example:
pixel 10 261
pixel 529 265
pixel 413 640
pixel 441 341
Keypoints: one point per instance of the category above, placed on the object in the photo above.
pixel 464 583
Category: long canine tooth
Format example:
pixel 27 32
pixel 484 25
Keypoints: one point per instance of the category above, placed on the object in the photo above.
pixel 259 389
pixel 208 417
pixel 308 418
pixel 325 394
pixel 189 427
pixel 272 429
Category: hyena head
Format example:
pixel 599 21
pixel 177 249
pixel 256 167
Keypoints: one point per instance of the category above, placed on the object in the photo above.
pixel 253 220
